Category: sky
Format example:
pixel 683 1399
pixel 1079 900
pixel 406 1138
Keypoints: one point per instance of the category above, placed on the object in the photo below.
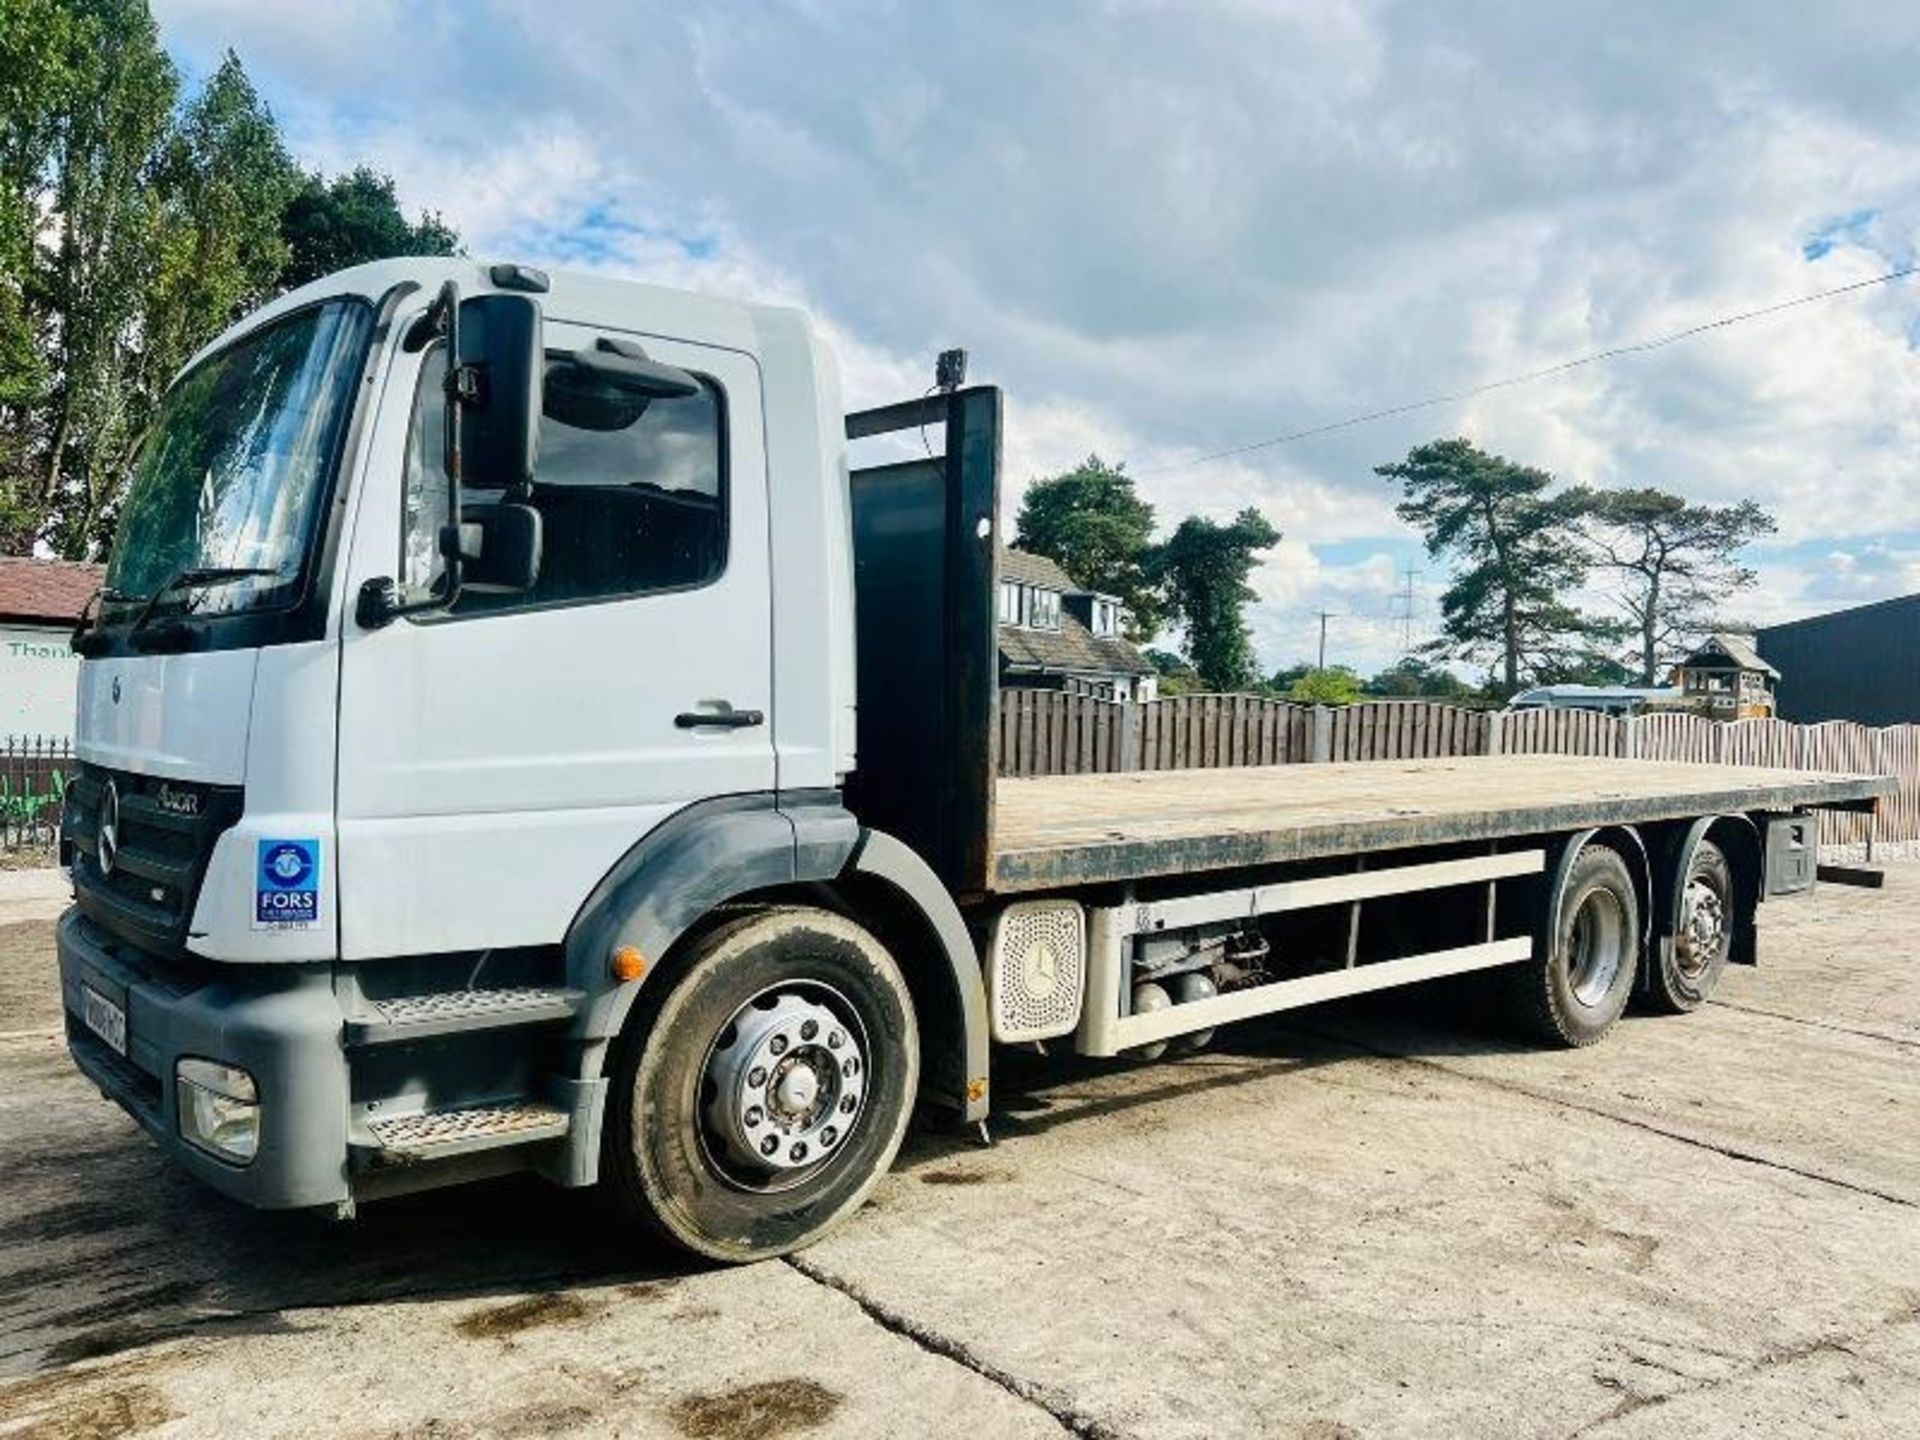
pixel 1169 229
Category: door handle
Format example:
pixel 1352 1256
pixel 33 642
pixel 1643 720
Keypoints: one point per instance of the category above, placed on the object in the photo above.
pixel 728 719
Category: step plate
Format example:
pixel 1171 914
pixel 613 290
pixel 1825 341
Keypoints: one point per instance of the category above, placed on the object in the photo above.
pixel 466 1004
pixel 412 1017
pixel 439 1133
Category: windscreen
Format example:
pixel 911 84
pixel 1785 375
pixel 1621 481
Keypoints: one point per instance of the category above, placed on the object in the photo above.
pixel 236 466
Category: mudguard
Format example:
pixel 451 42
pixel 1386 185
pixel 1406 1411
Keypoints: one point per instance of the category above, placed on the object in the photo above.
pixel 679 873
pixel 717 851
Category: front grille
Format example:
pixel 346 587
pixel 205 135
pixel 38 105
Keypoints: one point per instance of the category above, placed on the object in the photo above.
pixel 165 837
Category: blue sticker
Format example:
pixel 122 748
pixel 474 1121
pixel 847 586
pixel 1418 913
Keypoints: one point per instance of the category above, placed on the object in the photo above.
pixel 286 893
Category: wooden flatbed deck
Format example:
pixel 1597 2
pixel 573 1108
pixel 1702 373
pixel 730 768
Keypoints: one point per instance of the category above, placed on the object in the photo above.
pixel 1080 829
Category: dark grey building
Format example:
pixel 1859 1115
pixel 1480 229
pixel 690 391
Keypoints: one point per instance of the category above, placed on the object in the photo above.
pixel 1861 664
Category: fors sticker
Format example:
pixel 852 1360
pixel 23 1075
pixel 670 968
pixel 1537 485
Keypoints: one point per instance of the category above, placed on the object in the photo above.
pixel 286 892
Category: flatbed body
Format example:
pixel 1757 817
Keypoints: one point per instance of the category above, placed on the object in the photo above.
pixel 1061 831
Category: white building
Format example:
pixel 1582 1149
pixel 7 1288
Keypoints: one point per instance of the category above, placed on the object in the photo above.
pixel 40 602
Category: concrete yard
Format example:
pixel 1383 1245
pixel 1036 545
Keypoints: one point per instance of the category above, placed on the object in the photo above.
pixel 1374 1218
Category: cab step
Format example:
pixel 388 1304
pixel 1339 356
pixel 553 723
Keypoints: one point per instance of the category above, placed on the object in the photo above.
pixel 416 1017
pixel 440 1134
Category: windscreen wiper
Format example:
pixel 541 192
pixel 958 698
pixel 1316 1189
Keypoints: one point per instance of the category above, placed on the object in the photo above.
pixel 194 577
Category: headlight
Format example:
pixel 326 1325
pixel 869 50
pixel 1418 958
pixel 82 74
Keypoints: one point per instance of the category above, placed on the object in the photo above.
pixel 219 1109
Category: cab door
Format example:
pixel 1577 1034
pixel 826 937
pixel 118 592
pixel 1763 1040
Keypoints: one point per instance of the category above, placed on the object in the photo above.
pixel 497 759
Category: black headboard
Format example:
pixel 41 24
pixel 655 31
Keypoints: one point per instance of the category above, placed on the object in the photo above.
pixel 925 554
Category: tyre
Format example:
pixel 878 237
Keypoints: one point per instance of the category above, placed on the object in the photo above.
pixel 758 1102
pixel 1688 973
pixel 1575 992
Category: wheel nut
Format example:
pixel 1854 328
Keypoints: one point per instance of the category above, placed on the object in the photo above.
pixel 810 1029
pixel 798 1153
pixel 852 1067
pixel 753 1116
pixel 846 1104
pixel 778 1045
pixel 829 1135
pixel 757 1076
pixel 769 1145
pixel 835 1039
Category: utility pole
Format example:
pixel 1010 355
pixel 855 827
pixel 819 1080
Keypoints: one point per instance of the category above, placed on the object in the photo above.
pixel 1325 615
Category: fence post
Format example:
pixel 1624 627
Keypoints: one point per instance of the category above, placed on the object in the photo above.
pixel 1129 735
pixel 1320 737
pixel 1496 732
pixel 1879 768
pixel 1629 737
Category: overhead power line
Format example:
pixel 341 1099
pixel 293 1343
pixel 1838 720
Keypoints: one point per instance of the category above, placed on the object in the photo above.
pixel 1638 347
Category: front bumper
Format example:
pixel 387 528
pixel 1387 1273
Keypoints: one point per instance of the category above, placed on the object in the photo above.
pixel 281 1023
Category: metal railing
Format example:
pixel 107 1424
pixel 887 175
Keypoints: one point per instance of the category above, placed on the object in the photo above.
pixel 33 781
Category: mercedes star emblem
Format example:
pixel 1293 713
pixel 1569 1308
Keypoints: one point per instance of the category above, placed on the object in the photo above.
pixel 109 842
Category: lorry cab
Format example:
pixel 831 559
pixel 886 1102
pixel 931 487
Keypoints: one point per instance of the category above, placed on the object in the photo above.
pixel 450 663
pixel 526 733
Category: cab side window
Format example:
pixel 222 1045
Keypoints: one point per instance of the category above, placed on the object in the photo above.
pixel 631 490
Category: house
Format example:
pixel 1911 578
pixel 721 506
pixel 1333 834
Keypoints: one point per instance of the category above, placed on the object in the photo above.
pixel 1861 663
pixel 40 603
pixel 1057 635
pixel 1725 679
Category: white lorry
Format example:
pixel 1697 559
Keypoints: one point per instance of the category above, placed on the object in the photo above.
pixel 513 739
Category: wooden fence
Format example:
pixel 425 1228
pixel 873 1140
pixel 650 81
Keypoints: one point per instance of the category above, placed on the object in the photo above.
pixel 1045 732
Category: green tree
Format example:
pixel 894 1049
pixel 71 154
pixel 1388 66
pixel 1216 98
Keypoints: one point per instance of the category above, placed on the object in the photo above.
pixel 87 280
pixel 351 219
pixel 1675 563
pixel 216 187
pixel 1093 523
pixel 1283 681
pixel 37 52
pixel 1414 676
pixel 1203 569
pixel 133 228
pixel 1514 553
pixel 1335 685
pixel 1177 677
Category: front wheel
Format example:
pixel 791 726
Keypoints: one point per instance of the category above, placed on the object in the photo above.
pixel 1575 991
pixel 764 1098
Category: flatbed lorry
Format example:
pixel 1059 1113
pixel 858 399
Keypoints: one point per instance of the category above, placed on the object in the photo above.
pixel 513 738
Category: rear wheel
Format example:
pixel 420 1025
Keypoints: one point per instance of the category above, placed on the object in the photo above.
pixel 1689 972
pixel 768 1092
pixel 1575 992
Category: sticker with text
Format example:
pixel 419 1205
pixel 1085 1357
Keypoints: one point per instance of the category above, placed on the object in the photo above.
pixel 286 893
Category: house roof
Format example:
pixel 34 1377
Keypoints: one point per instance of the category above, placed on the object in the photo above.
pixel 1736 649
pixel 1072 648
pixel 46 592
pixel 1026 569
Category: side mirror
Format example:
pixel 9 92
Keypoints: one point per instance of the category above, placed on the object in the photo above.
pixel 498 547
pixel 503 365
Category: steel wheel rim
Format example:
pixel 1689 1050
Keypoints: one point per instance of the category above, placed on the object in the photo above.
pixel 783 1087
pixel 1703 927
pixel 1596 946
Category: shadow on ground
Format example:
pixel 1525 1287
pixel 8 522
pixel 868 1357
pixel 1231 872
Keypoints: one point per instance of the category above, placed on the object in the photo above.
pixel 110 1248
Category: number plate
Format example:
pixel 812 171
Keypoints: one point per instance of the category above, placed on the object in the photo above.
pixel 104 1018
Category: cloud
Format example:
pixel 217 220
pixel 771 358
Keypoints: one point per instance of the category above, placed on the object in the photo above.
pixel 1169 228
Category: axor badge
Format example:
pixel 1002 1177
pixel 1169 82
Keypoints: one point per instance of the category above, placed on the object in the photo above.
pixel 286 894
